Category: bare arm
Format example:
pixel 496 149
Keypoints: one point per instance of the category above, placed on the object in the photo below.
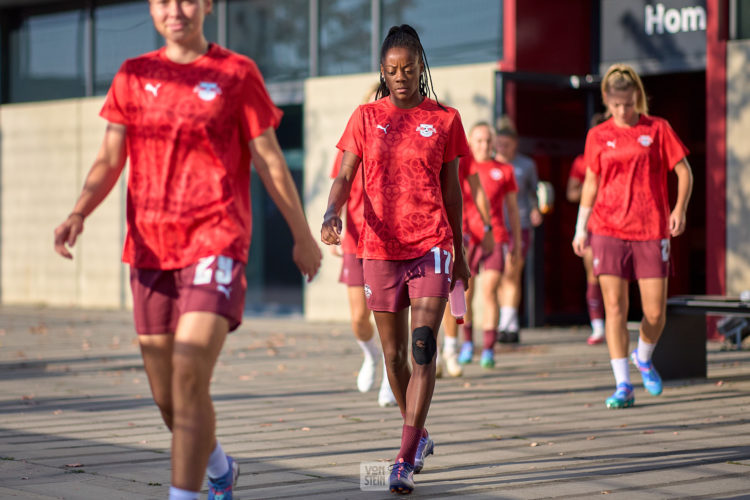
pixel 511 203
pixel 274 173
pixel 588 197
pixel 330 233
pixel 100 180
pixel 678 217
pixel 453 202
pixel 573 190
pixel 483 206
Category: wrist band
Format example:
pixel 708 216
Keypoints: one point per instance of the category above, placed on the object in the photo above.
pixel 487 228
pixel 582 222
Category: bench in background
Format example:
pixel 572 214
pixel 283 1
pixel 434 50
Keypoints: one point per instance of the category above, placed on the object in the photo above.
pixel 681 350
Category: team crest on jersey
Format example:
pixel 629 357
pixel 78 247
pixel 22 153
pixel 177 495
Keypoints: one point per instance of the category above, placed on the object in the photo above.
pixel 496 174
pixel 645 141
pixel 426 130
pixel 207 90
pixel 368 291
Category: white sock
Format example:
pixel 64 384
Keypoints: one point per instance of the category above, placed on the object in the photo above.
pixel 178 494
pixel 450 344
pixel 621 371
pixel 506 313
pixel 597 325
pixel 645 351
pixel 513 320
pixel 370 348
pixel 217 463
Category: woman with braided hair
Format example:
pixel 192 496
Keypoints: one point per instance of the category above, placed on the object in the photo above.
pixel 408 147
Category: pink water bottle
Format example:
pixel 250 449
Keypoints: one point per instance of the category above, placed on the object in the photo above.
pixel 457 300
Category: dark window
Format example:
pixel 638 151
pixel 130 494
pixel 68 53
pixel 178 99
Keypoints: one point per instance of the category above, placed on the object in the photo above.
pixel 46 55
pixel 451 32
pixel 121 31
pixel 274 33
pixel 345 34
pixel 743 19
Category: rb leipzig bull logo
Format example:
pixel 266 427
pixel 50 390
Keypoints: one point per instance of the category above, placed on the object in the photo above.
pixel 207 91
pixel 426 130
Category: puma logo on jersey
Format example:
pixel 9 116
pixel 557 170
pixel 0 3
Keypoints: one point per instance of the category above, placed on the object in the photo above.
pixel 384 129
pixel 426 130
pixel 226 290
pixel 645 141
pixel 611 144
pixel 154 89
pixel 207 90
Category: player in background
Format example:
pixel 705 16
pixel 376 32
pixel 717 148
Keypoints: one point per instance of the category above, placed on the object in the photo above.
pixel 594 301
pixel 408 146
pixel 478 241
pixel 498 181
pixel 189 117
pixel 352 276
pixel 524 168
pixel 625 206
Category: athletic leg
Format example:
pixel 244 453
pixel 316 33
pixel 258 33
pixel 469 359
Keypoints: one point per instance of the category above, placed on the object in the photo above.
pixel 594 301
pixel 197 344
pixel 394 338
pixel 615 294
pixel 654 304
pixel 156 351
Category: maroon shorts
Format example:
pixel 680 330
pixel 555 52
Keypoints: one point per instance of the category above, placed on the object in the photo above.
pixel 213 284
pixel 474 256
pixel 630 260
pixel 525 242
pixel 390 284
pixel 351 271
pixel 496 260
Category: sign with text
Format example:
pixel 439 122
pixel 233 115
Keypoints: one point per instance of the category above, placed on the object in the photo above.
pixel 663 36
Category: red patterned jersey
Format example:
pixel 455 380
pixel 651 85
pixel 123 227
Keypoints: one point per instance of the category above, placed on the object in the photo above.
pixel 188 128
pixel 402 152
pixel 497 179
pixel 354 209
pixel 632 165
pixel 578 169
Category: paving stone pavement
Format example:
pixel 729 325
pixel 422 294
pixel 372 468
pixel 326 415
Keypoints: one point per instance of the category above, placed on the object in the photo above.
pixel 77 420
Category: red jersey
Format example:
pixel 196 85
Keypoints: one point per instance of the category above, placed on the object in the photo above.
pixel 578 169
pixel 472 221
pixel 632 164
pixel 402 152
pixel 354 209
pixel 498 179
pixel 188 128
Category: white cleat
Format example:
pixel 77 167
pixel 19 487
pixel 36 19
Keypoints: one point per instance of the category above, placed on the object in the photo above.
pixel 452 366
pixel 366 377
pixel 386 397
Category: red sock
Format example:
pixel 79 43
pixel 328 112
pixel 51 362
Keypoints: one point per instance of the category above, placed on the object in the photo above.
pixel 594 301
pixel 490 336
pixel 468 333
pixel 409 443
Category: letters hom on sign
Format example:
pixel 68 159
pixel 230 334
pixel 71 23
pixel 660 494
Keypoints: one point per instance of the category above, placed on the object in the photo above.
pixel 654 36
pixel 660 19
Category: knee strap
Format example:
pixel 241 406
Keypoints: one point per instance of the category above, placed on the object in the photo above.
pixel 423 345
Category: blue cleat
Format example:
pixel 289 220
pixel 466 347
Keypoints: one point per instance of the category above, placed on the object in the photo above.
pixel 426 447
pixel 622 398
pixel 402 477
pixel 651 378
pixel 467 352
pixel 488 359
pixel 221 488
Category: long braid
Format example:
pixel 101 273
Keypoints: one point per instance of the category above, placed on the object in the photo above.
pixel 405 36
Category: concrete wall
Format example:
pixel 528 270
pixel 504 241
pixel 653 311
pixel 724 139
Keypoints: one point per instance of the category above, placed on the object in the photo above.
pixel 738 167
pixel 46 150
pixel 329 102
